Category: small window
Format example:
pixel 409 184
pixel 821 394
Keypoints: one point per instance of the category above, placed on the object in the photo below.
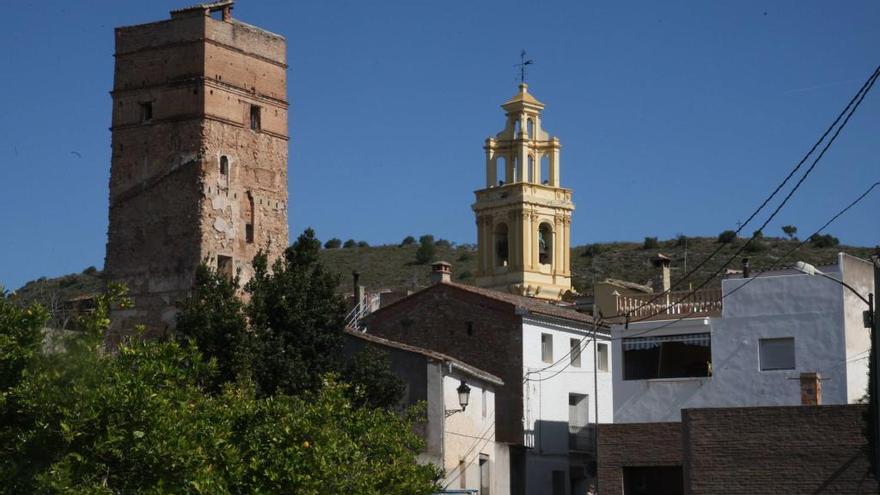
pixel 224 165
pixel 462 474
pixel 777 354
pixel 546 347
pixel 602 352
pixel 485 400
pixel 530 128
pixel 470 328
pixel 224 266
pixel 255 118
pixel 575 352
pixel 146 111
pixel 485 480
pixel 249 233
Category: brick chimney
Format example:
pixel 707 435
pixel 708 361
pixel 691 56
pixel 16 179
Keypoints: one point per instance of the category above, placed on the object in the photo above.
pixel 662 280
pixel 811 389
pixel 441 272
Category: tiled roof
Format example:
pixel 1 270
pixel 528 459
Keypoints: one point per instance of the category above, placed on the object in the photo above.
pixel 529 304
pixel 439 356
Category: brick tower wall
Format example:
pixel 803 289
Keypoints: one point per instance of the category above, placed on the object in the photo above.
pixel 182 99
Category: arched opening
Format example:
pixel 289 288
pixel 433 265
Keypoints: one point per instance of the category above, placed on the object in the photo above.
pixel 248 217
pixel 517 128
pixel 501 245
pixel 530 128
pixel 500 170
pixel 531 170
pixel 545 169
pixel 516 172
pixel 545 244
pixel 224 165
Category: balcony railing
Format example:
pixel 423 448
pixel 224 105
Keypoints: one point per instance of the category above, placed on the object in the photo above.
pixel 582 438
pixel 675 304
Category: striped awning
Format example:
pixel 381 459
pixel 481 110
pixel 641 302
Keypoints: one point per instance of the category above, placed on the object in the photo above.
pixel 638 343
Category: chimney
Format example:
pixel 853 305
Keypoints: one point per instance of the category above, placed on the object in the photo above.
pixel 747 272
pixel 811 389
pixel 662 281
pixel 441 272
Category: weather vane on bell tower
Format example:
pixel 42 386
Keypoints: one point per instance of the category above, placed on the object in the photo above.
pixel 522 66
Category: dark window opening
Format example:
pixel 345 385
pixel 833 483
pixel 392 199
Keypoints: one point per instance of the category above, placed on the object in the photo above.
pixel 248 215
pixel 225 266
pixel 255 118
pixel 470 328
pixel 545 244
pixel 669 356
pixel 777 354
pixel 501 244
pixel 653 480
pixel 146 111
pixel 224 165
pixel 575 352
pixel 249 233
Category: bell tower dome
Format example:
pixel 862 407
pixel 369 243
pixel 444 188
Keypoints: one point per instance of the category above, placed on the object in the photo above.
pixel 523 214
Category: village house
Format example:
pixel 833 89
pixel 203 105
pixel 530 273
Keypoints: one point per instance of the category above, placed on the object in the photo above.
pixel 459 423
pixel 778 338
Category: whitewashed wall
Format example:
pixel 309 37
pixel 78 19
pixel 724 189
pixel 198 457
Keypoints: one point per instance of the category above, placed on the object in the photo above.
pixel 545 403
pixel 808 308
pixel 469 434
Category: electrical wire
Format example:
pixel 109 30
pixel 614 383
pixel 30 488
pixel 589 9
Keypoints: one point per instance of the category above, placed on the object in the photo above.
pixel 861 97
pixel 777 266
pixel 856 100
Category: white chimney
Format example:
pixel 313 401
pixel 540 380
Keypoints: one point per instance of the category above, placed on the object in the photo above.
pixel 441 272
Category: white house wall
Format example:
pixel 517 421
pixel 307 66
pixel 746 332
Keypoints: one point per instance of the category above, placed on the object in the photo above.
pixel 470 434
pixel 545 402
pixel 860 275
pixel 808 308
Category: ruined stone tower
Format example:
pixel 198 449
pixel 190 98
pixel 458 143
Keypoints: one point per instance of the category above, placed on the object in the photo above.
pixel 523 213
pixel 199 158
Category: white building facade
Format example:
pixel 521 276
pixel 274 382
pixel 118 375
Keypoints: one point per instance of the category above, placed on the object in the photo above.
pixel 566 382
pixel 774 329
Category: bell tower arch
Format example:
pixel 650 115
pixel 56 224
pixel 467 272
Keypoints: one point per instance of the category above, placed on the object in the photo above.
pixel 523 213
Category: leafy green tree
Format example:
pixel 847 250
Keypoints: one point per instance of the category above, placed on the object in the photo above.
pixel 790 231
pixel 442 243
pixel 727 237
pixel 140 420
pixel 214 317
pixel 427 250
pixel 297 318
pixel 369 372
pixel 591 250
pixel 824 241
pixel 350 244
pixel 408 241
pixel 650 243
pixel 333 243
pixel 363 244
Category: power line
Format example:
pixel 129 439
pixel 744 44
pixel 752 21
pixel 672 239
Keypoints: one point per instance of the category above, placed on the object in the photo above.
pixel 861 96
pixel 856 100
pixel 774 267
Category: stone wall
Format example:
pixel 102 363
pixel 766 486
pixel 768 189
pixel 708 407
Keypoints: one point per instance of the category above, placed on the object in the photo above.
pixel 172 205
pixel 479 331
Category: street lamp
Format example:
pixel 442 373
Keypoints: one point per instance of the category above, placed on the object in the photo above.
pixel 464 395
pixel 870 322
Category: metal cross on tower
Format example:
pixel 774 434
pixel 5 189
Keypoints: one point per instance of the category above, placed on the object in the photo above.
pixel 522 66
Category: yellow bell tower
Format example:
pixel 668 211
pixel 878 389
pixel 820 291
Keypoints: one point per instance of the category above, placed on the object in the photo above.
pixel 523 215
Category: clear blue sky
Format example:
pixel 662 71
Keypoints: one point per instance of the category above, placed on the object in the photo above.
pixel 675 117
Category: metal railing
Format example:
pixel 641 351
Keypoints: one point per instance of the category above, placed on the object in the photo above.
pixel 582 438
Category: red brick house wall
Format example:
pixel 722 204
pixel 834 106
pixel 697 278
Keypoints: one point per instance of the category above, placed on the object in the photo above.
pixel 635 444
pixel 480 331
pixel 798 449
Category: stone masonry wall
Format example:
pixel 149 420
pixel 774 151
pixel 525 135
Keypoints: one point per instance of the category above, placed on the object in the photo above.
pixel 438 318
pixel 171 207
